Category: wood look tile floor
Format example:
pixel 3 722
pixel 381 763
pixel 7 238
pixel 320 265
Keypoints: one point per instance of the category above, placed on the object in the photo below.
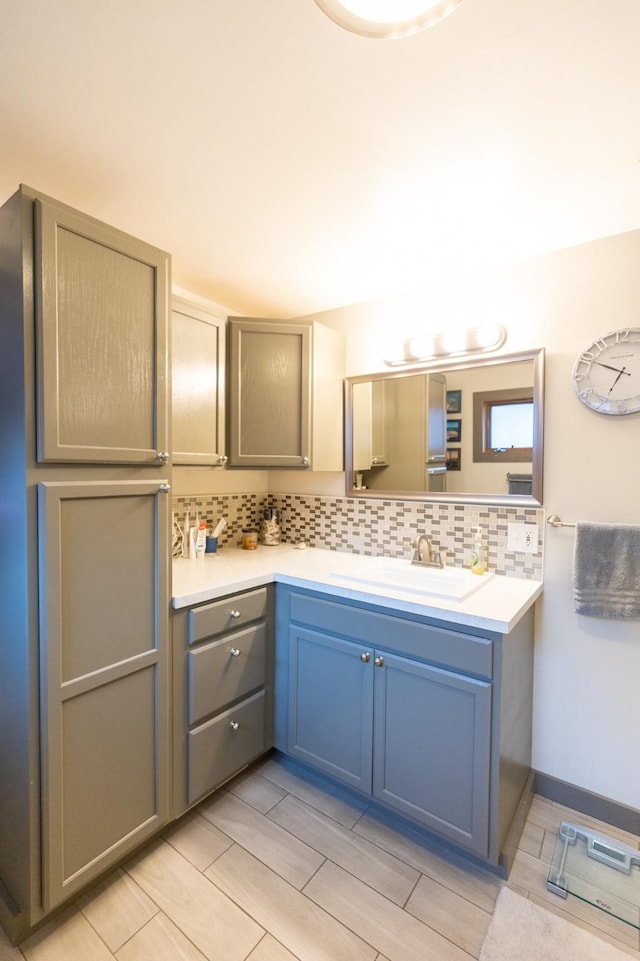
pixel 275 867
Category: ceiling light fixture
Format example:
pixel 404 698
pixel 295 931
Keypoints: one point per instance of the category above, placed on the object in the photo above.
pixel 387 19
pixel 424 349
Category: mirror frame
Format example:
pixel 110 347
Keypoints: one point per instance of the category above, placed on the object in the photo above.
pixel 508 500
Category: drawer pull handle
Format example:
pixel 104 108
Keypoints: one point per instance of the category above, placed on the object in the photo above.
pixel 234 725
pixel 366 657
pixel 235 652
pixel 379 661
pixel 234 613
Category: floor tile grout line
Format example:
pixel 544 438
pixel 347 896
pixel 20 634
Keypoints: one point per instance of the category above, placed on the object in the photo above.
pixel 379 894
pixel 389 854
pixel 423 873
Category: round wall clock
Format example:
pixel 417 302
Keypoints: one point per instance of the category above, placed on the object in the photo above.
pixel 606 376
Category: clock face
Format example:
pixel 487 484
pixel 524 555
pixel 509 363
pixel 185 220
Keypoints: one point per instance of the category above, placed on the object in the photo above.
pixel 606 376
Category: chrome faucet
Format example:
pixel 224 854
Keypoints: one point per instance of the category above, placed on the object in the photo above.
pixel 425 554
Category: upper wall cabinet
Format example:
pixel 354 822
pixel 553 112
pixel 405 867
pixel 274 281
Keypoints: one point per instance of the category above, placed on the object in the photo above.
pixel 197 365
pixel 102 313
pixel 285 394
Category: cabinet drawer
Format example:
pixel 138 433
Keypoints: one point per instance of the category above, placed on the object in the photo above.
pixel 217 749
pixel 227 614
pixel 448 648
pixel 225 670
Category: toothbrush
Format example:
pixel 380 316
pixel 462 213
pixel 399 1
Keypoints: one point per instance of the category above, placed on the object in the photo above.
pixel 220 526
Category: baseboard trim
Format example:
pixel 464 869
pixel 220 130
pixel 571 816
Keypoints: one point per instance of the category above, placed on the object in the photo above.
pixel 596 806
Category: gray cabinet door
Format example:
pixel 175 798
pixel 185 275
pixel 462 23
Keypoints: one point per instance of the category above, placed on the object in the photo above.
pixel 432 731
pixel 330 705
pixel 103 569
pixel 269 394
pixel 197 385
pixel 102 310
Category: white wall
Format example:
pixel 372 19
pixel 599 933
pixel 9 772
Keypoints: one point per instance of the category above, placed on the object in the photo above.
pixel 587 671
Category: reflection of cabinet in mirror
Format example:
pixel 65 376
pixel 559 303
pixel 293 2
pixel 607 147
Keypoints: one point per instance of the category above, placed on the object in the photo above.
pixel 369 425
pixel 414 425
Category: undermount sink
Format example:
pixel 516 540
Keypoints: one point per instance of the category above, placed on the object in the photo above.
pixel 453 582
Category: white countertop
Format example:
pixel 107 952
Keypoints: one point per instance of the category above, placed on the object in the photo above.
pixel 496 606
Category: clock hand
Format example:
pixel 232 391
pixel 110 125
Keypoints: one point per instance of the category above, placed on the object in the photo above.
pixel 620 373
pixel 609 367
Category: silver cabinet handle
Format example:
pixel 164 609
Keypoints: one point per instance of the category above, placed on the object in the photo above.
pixel 164 489
pixel 234 614
pixel 365 657
pixel 379 661
pixel 162 456
pixel 305 461
pixel 235 652
pixel 234 725
pixel 223 459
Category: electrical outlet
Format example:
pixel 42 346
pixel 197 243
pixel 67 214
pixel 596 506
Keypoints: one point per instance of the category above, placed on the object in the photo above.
pixel 522 538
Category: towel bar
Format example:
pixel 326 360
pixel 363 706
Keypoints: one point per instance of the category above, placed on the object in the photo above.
pixel 554 521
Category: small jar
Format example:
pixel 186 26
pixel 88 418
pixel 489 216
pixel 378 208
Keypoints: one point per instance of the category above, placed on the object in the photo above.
pixel 270 527
pixel 249 538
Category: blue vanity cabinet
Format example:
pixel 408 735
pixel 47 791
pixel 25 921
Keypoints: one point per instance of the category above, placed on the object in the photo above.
pixel 431 720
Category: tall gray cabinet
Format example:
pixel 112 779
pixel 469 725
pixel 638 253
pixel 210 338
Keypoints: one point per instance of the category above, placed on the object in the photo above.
pixel 85 508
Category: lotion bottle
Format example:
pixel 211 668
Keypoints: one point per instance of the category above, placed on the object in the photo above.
pixel 201 539
pixel 477 554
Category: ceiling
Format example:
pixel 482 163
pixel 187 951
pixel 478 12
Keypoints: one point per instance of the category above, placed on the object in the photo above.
pixel 290 166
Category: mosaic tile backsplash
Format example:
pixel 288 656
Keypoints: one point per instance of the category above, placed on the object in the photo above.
pixel 374 527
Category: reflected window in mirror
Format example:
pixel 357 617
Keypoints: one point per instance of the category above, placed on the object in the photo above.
pixel 503 425
pixel 413 434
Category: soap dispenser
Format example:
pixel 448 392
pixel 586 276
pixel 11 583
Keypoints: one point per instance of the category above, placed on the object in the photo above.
pixel 477 554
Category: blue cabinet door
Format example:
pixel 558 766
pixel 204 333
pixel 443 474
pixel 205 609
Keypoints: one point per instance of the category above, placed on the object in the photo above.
pixel 330 705
pixel 432 731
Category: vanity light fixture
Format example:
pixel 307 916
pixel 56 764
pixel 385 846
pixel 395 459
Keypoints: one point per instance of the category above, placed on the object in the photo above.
pixel 387 19
pixel 422 349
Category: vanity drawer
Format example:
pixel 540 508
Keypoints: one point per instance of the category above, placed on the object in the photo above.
pixel 218 749
pixel 447 648
pixel 225 670
pixel 227 614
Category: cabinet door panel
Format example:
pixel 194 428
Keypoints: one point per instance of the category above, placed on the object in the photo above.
pixel 197 389
pixel 106 607
pixel 269 394
pixel 107 766
pixel 102 328
pixel 330 704
pixel 432 743
pixel 104 676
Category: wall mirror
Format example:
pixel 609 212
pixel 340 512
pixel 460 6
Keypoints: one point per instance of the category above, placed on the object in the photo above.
pixel 468 431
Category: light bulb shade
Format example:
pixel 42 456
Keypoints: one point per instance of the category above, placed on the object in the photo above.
pixel 385 19
pixel 426 348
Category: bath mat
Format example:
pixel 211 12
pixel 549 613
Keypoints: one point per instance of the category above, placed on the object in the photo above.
pixel 522 931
